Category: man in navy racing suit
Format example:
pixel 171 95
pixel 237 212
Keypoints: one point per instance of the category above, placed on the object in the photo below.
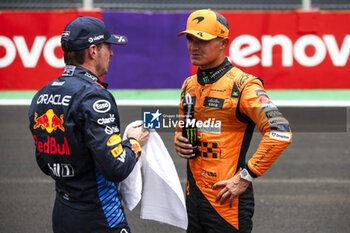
pixel 75 125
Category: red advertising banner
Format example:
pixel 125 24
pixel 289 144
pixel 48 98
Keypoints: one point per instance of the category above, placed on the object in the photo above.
pixel 287 49
pixel 292 50
pixel 30 53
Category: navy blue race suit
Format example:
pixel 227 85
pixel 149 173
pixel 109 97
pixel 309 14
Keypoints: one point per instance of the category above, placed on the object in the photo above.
pixel 75 125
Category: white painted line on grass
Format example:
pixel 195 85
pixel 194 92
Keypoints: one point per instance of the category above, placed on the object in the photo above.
pixel 15 102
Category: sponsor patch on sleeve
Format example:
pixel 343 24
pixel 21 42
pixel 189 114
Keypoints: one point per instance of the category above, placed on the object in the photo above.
pixel 101 106
pixel 114 140
pixel 281 136
pixel 117 151
pixel 264 100
pixel 278 120
pixel 260 93
pixel 273 113
pixel 280 127
pixel 270 106
pixel 136 147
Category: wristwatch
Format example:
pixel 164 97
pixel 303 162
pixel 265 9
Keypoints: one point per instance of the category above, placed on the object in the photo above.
pixel 245 175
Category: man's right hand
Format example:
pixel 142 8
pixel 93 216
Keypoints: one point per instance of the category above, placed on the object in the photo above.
pixel 182 147
pixel 139 134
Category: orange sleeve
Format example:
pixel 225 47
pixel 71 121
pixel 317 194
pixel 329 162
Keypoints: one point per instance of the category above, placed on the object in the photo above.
pixel 274 127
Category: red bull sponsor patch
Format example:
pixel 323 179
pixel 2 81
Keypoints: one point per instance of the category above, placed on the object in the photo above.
pixel 136 147
pixel 49 121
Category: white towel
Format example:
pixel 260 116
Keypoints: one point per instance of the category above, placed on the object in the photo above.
pixel 162 195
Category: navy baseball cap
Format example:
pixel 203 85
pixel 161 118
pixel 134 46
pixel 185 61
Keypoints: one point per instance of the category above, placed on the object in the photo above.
pixel 85 31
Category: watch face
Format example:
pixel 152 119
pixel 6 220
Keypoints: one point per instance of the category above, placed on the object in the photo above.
pixel 245 175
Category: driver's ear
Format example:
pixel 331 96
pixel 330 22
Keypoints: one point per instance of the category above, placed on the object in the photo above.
pixel 92 51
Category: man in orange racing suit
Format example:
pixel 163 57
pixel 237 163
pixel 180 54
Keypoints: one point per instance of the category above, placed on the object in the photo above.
pixel 219 191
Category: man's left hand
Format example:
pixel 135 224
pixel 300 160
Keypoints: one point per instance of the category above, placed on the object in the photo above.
pixel 231 188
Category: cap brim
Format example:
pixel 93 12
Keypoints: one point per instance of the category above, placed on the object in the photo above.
pixel 117 39
pixel 198 34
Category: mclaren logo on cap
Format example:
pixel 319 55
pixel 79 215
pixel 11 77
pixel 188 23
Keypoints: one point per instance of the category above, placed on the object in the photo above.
pixel 199 18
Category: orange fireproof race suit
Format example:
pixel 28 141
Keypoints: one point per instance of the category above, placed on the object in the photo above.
pixel 238 101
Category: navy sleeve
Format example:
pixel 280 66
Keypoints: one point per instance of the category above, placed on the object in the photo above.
pixel 41 163
pixel 113 157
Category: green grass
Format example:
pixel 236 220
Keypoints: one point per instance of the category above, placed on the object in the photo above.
pixel 174 94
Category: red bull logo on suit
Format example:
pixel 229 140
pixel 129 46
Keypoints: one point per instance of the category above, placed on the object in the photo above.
pixel 49 121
